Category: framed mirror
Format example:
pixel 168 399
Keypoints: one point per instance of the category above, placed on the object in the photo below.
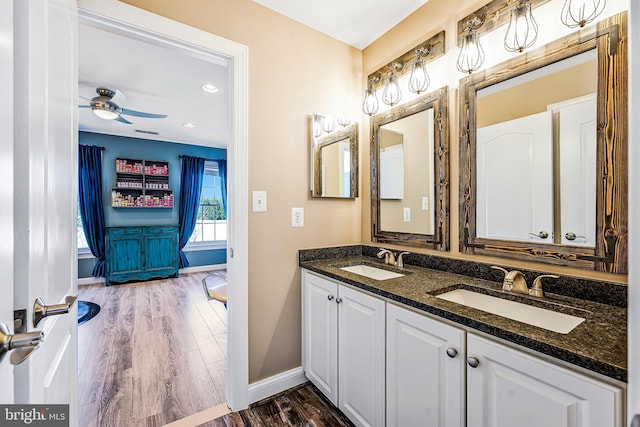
pixel 410 173
pixel 334 162
pixel 543 144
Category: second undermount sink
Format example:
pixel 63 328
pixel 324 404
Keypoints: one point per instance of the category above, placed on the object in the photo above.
pixel 371 272
pixel 525 313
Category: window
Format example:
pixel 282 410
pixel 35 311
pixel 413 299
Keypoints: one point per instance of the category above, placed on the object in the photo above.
pixel 81 239
pixel 211 224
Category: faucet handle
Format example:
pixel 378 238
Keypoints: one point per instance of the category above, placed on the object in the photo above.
pixel 536 287
pixel 507 282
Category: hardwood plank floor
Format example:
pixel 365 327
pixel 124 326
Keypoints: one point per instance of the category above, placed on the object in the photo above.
pixel 154 354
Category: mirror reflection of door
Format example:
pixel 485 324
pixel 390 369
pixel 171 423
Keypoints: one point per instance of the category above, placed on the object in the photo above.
pixel 335 169
pixel 536 155
pixel 407 174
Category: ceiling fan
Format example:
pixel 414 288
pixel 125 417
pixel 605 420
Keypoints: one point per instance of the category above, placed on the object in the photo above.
pixel 105 106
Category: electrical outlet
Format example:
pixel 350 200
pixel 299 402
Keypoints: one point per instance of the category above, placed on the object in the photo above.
pixel 407 214
pixel 259 201
pixel 425 203
pixel 297 217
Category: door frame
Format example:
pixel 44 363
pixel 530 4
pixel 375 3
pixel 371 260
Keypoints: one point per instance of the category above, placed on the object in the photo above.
pixel 132 22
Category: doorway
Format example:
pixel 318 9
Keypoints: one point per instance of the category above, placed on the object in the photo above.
pixel 132 22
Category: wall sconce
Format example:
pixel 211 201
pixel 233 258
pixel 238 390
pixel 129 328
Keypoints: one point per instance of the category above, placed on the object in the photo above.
pixel 522 31
pixel 388 76
pixel 370 103
pixel 578 13
pixel 392 93
pixel 471 54
pixel 419 78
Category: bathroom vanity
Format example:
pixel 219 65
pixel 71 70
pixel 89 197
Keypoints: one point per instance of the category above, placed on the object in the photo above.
pixel 391 352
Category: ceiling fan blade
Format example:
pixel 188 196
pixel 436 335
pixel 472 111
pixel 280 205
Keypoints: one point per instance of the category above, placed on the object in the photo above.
pixel 142 114
pixel 123 120
pixel 84 97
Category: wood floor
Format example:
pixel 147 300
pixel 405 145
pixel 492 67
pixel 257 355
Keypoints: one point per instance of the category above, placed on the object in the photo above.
pixel 154 354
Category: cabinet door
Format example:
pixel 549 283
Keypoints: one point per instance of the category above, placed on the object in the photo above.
pixel 125 255
pixel 425 385
pixel 320 333
pixel 511 388
pixel 161 252
pixel 361 344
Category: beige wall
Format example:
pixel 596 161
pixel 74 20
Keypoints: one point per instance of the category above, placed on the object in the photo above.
pixel 293 71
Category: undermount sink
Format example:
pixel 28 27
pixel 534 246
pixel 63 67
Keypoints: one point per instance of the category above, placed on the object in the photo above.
pixel 529 314
pixel 371 272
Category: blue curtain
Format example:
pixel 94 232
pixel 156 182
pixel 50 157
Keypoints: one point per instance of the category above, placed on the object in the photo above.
pixel 222 172
pixel 190 187
pixel 90 201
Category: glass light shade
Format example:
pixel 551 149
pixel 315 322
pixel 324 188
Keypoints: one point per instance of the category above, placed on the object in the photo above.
pixel 370 103
pixel 392 93
pixel 578 13
pixel 522 31
pixel 471 54
pixel 328 124
pixel 419 78
pixel 105 113
pixel 317 126
pixel 343 121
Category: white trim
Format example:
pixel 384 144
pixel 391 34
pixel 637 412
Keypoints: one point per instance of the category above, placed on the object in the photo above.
pixel 276 384
pixel 85 253
pixel 201 268
pixel 129 21
pixel 205 246
pixel 86 281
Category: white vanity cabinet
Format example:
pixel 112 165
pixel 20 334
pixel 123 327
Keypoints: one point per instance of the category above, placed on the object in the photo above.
pixel 509 388
pixel 344 346
pixel 425 371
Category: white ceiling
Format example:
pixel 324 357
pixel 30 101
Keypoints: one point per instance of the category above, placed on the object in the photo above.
pixel 355 22
pixel 154 80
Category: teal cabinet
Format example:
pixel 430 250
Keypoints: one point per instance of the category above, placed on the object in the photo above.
pixel 141 253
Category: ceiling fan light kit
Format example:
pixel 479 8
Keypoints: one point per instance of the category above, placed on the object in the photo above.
pixel 104 106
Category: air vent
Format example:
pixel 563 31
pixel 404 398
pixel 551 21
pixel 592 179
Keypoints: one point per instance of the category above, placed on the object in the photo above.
pixel 148 132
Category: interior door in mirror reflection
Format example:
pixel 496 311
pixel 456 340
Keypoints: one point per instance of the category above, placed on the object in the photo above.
pixel 515 178
pixel 335 169
pixel 391 165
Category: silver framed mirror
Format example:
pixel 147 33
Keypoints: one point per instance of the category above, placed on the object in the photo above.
pixel 543 143
pixel 410 173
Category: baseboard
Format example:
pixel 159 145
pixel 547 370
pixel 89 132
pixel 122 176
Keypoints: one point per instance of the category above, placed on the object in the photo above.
pixel 85 281
pixel 200 268
pixel 276 384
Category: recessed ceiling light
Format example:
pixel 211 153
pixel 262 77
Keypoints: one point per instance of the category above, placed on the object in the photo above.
pixel 208 87
pixel 188 125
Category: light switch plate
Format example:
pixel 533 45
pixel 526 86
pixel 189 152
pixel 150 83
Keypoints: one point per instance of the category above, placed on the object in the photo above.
pixel 259 201
pixel 407 214
pixel 297 217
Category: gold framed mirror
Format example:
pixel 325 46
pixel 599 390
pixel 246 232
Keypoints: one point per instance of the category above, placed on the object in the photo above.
pixel 410 173
pixel 334 163
pixel 543 147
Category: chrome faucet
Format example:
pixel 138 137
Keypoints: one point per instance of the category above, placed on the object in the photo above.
pixel 389 257
pixel 400 262
pixel 536 287
pixel 513 280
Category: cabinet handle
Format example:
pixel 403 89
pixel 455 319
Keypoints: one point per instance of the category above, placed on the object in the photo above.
pixel 452 352
pixel 338 300
pixel 473 362
pixel 330 297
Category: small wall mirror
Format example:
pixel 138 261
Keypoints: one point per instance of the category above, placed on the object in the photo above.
pixel 334 160
pixel 410 173
pixel 543 166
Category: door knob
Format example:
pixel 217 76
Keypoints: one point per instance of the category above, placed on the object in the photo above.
pixel 40 311
pixel 22 344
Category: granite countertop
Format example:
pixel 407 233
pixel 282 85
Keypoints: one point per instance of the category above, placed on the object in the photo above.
pixel 598 344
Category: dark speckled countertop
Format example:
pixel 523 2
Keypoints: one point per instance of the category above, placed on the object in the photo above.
pixel 598 344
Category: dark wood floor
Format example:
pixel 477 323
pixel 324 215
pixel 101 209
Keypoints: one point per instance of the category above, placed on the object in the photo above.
pixel 154 354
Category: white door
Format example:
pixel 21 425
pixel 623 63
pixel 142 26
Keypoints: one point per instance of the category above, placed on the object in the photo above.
pixel 361 344
pixel 515 179
pixel 44 193
pixel 425 371
pixel 510 388
pixel 320 333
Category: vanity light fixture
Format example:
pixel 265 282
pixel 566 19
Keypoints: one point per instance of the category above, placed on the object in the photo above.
pixel 419 78
pixel 392 94
pixel 322 124
pixel 578 13
pixel 471 54
pixel 370 104
pixel 522 31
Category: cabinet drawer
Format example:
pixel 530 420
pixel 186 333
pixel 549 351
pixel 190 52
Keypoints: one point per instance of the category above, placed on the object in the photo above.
pixel 124 231
pixel 156 231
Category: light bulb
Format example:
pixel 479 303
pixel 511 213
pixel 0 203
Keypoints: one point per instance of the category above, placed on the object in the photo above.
pixel 370 102
pixel 578 13
pixel 522 31
pixel 392 93
pixel 419 79
pixel 471 54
